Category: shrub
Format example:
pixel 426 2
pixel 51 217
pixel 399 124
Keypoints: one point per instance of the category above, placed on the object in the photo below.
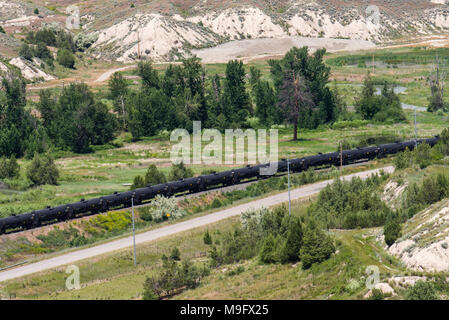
pixel 26 52
pixel 392 230
pixel 43 170
pixel 376 294
pixel 351 204
pixel 166 208
pixel 173 278
pixel 180 171
pixel 2 30
pixel 110 222
pixel 217 203
pixel 403 160
pixel 9 168
pixel 175 254
pixel 145 213
pixel 269 250
pixel 138 183
pixel 58 238
pixel 66 58
pixel 36 11
pixel 422 290
pixel 207 238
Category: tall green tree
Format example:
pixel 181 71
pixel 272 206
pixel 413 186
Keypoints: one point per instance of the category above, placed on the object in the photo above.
pixel 293 243
pixel 77 120
pixel 195 76
pixel 316 246
pixel 118 88
pixel 392 230
pixel 236 102
pixel 150 77
pixel 316 74
pixel 146 112
pixel 264 98
pixel 17 125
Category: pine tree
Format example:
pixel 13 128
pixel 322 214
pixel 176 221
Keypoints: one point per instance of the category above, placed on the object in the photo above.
pixel 180 171
pixel 154 176
pixel 207 238
pixel 138 183
pixel 268 252
pixel 294 240
pixel 175 254
pixel 150 77
pixel 392 230
pixel 316 247
pixel 237 105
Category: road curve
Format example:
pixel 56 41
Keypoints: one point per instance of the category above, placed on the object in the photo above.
pixel 105 76
pixel 82 254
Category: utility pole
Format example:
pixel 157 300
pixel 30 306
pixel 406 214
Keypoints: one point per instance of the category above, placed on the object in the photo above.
pixel 134 230
pixel 289 199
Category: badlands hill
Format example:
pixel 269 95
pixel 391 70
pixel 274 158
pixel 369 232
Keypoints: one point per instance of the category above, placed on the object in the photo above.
pixel 166 30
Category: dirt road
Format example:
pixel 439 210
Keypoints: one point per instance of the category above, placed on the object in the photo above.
pixel 105 76
pixel 82 254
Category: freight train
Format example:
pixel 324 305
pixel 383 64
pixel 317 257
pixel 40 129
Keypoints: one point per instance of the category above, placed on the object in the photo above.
pixel 117 200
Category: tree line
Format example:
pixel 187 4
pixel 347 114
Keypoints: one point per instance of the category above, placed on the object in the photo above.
pixel 184 93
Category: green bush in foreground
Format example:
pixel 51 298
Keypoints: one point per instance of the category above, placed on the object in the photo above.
pixel 43 170
pixel 9 168
pixel 351 204
pixel 392 230
pixel 422 290
pixel 376 294
pixel 173 278
pixel 207 238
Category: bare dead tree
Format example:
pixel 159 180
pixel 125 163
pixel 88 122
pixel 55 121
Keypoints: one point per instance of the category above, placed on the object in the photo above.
pixel 295 98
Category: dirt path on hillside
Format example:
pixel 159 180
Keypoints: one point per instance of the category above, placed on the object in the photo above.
pixel 105 76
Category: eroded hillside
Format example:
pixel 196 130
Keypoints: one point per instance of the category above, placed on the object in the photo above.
pixel 166 30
